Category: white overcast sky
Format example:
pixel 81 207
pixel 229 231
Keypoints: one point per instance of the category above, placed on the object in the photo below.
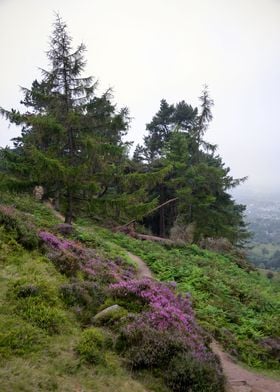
pixel 153 49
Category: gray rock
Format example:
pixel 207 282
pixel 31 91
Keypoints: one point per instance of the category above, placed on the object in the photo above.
pixel 110 314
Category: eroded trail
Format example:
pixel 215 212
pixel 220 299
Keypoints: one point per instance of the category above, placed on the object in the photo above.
pixel 239 379
pixel 243 380
pixel 143 271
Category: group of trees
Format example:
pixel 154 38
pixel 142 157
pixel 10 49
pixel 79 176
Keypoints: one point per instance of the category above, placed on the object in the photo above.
pixel 72 144
pixel 197 178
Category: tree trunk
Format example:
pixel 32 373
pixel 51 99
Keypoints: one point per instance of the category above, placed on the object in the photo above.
pixel 56 200
pixel 161 222
pixel 161 213
pixel 69 211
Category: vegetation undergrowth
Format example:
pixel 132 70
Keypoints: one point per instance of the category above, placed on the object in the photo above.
pixel 72 315
pixel 239 308
pixel 40 331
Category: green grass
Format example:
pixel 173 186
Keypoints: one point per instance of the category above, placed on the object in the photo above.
pixel 58 368
pixel 38 212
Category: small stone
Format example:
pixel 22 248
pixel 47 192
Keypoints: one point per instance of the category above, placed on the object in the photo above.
pixel 110 314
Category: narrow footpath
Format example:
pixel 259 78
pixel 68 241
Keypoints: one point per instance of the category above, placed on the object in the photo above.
pixel 239 379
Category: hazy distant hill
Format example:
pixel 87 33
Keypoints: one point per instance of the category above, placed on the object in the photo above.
pixel 263 218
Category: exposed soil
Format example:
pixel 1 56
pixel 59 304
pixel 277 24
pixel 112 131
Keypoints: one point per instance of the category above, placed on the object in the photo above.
pixel 55 212
pixel 243 380
pixel 143 271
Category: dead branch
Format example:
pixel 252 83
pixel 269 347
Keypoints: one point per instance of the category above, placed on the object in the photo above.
pixel 149 212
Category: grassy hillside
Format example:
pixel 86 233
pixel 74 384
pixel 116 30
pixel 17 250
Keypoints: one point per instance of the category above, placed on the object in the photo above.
pixel 52 334
pixel 39 334
pixel 241 309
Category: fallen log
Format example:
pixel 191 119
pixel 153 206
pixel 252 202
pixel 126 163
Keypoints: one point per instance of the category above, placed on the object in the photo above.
pixel 144 237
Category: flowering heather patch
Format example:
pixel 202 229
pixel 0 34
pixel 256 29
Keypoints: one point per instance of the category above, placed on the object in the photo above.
pixel 166 312
pixel 166 309
pixel 107 271
pixel 166 332
pixel 72 254
pixel 57 242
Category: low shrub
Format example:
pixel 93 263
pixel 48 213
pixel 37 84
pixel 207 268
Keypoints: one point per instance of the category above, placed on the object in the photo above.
pixel 92 345
pixel 17 337
pixel 216 244
pixel 65 262
pixel 70 257
pixel 187 374
pixel 130 303
pixel 49 318
pixel 84 297
pixel 20 225
pixel 147 348
pixel 27 291
pixel 107 271
pixel 33 286
pixel 182 234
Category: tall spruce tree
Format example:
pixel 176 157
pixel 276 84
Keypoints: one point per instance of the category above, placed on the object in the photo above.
pixel 71 142
pixel 71 139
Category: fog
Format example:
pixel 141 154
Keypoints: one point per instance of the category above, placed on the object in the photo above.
pixel 149 50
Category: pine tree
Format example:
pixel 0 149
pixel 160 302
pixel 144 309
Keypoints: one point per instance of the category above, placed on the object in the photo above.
pixel 71 139
pixel 198 180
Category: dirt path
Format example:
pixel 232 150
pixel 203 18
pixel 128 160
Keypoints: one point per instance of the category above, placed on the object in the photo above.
pixel 243 380
pixel 55 212
pixel 143 270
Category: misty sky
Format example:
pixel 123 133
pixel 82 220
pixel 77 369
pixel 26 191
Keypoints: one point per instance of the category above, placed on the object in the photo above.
pixel 153 49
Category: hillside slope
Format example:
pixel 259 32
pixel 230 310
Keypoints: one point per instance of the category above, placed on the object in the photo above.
pixel 76 317
pixel 240 308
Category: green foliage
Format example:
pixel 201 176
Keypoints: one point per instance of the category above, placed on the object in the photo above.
pixel 85 298
pixel 197 178
pixel 111 317
pixel 18 337
pixel 36 212
pixel 238 307
pixel 51 319
pixel 97 238
pixel 131 305
pixel 19 224
pixel 184 373
pixel 92 345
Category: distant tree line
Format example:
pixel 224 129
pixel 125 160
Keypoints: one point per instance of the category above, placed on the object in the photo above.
pixel 72 144
pixel 265 259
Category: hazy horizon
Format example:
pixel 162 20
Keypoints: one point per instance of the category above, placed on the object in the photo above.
pixel 157 49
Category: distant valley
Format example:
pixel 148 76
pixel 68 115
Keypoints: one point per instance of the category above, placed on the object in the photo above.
pixel 263 219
